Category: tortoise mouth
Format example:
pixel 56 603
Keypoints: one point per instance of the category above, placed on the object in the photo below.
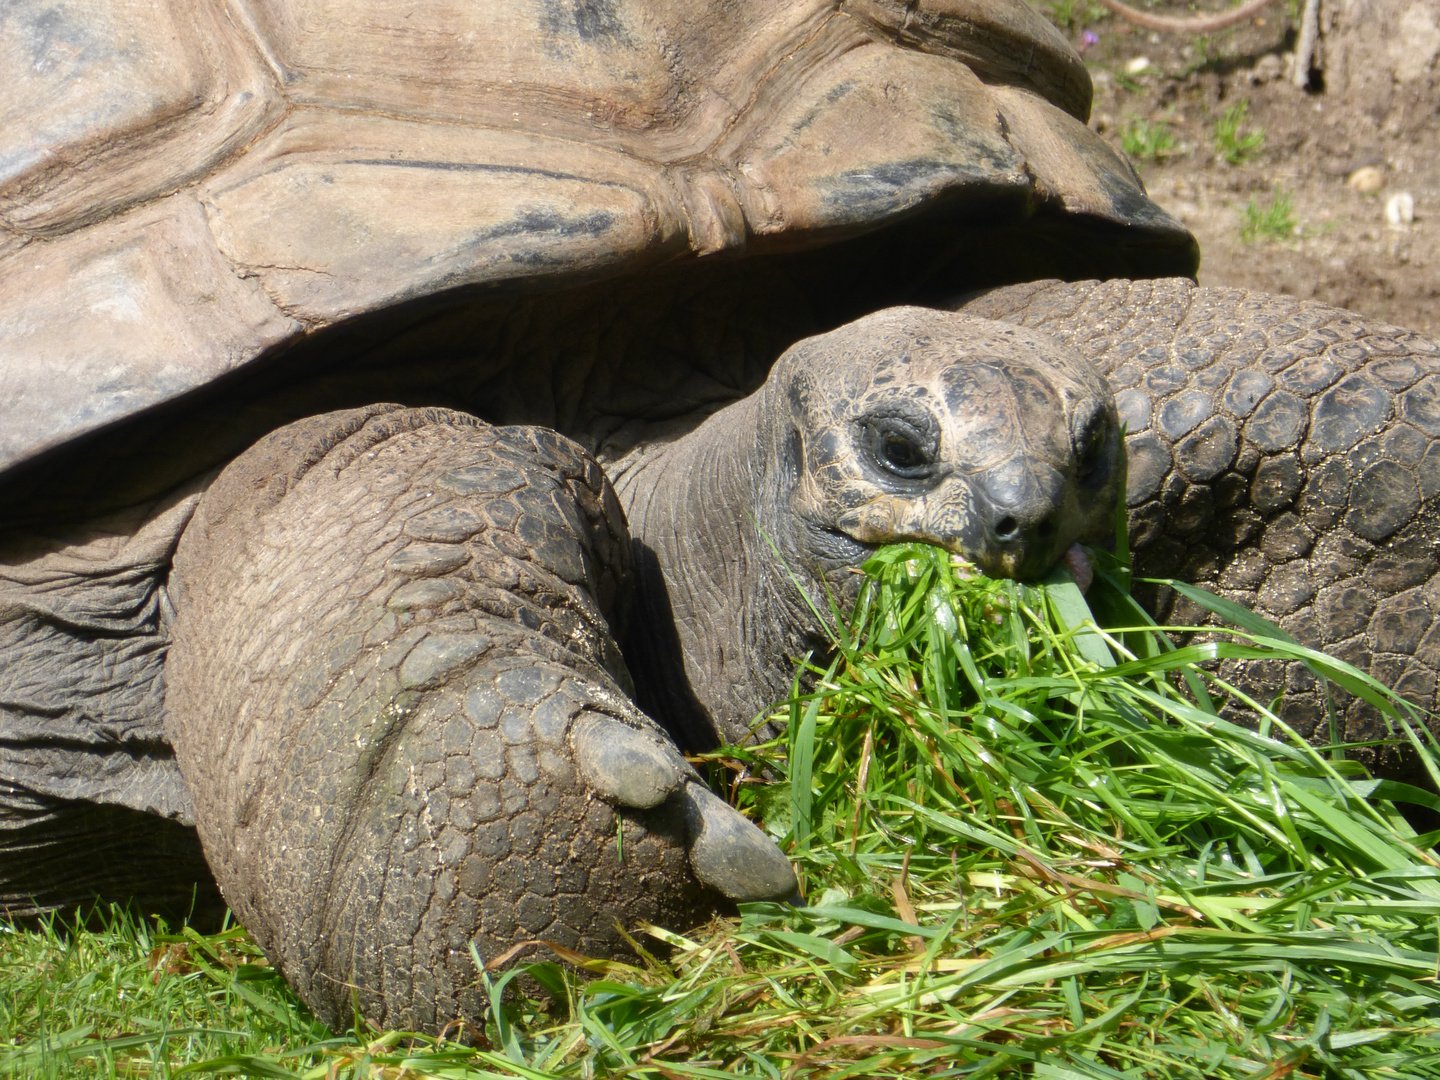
pixel 609 363
pixel 843 550
pixel 996 563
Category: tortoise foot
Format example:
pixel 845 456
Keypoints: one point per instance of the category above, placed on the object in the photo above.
pixel 398 702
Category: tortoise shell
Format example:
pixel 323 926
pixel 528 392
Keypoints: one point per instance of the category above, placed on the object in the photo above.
pixel 187 185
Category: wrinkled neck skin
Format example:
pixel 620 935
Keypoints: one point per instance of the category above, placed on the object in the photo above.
pixel 718 623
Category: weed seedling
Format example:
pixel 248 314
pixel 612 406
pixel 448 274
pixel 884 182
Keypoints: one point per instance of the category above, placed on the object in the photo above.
pixel 1230 143
pixel 1274 220
pixel 1147 141
pixel 1069 15
pixel 1126 82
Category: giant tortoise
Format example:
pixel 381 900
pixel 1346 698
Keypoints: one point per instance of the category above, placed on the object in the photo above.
pixel 328 327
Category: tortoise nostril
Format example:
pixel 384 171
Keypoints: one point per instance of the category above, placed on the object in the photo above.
pixel 1007 528
pixel 1045 529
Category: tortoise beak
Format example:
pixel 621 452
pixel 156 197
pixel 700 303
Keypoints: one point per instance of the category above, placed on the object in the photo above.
pixel 1019 526
pixel 1015 520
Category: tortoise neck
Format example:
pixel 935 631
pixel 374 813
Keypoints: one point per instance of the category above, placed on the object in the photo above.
pixel 707 643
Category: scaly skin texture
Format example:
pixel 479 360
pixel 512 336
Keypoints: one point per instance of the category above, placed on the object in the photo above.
pixel 87 777
pixel 1283 453
pixel 389 624
pixel 315 722
pixel 221 222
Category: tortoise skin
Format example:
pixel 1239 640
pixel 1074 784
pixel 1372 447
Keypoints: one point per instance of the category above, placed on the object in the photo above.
pixel 396 689
pixel 1016 444
pixel 392 777
pixel 1285 454
pixel 394 686
pixel 221 217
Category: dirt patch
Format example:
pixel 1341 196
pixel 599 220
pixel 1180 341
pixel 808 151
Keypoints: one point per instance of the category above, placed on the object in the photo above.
pixel 1334 243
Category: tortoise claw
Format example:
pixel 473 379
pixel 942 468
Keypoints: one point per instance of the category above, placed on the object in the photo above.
pixel 625 765
pixel 731 855
pixel 632 767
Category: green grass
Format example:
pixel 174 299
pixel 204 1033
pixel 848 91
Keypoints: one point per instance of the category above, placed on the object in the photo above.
pixel 1235 139
pixel 1071 15
pixel 1028 848
pixel 127 998
pixel 1145 140
pixel 1273 220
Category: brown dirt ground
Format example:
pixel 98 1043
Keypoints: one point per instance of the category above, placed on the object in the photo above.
pixel 1343 251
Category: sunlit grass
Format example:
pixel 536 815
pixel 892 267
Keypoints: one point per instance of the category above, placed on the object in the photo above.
pixel 127 998
pixel 1070 15
pixel 1149 140
pixel 1028 847
pixel 1236 140
pixel 1272 220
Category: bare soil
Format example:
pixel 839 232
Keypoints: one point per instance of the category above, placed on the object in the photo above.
pixel 1343 251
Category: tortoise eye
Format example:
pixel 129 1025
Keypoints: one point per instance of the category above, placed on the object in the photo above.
pixel 899 447
pixel 900 452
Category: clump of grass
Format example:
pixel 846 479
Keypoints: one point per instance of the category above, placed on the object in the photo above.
pixel 1121 881
pixel 1070 15
pixel 1029 847
pixel 1145 140
pixel 1236 141
pixel 116 996
pixel 1273 220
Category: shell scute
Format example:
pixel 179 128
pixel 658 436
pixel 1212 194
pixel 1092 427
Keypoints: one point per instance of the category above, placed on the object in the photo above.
pixel 109 103
pixel 345 155
pixel 858 135
pixel 1004 42
pixel 657 79
pixel 118 317
pixel 336 214
pixel 1072 165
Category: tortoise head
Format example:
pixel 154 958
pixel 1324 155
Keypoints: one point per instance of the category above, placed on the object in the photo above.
pixel 911 424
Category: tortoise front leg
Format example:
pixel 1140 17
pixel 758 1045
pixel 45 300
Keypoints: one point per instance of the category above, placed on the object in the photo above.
pixel 397 700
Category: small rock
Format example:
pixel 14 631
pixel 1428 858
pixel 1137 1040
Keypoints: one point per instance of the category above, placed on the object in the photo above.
pixel 1400 210
pixel 1267 69
pixel 1137 65
pixel 1366 179
pixel 1416 45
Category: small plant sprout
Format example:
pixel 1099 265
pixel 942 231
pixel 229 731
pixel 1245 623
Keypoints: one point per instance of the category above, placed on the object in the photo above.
pixel 1236 141
pixel 1146 140
pixel 1125 81
pixel 1273 220
pixel 1069 15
